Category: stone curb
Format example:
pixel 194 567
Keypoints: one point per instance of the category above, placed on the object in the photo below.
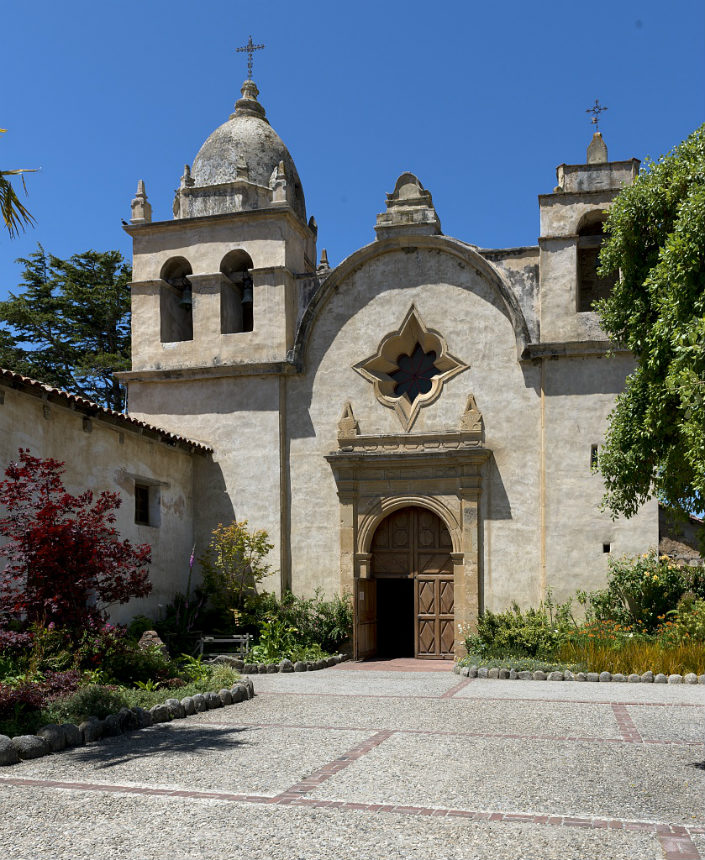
pixel 505 673
pixel 53 738
pixel 283 666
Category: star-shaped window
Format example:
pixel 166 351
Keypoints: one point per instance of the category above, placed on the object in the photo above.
pixel 410 367
pixel 415 373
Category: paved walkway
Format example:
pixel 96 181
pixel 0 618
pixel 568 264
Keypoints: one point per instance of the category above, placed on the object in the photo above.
pixel 381 761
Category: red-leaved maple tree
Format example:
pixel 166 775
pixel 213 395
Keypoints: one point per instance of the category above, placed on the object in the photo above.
pixel 65 561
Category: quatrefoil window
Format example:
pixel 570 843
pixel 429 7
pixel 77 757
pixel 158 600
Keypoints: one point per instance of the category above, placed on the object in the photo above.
pixel 410 367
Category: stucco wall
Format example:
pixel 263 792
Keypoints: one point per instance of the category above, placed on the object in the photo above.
pixel 239 418
pixel 110 458
pixel 457 301
pixel 579 394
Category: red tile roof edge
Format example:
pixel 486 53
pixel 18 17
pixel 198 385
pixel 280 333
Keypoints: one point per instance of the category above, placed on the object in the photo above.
pixel 88 407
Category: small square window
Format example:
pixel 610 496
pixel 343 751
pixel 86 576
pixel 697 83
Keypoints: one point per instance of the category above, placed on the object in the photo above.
pixel 606 547
pixel 142 504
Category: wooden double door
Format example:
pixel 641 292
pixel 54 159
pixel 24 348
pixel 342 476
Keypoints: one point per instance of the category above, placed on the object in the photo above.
pixel 407 607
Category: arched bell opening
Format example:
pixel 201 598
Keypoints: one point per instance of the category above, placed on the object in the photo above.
pixel 176 301
pixel 591 286
pixel 411 584
pixel 236 293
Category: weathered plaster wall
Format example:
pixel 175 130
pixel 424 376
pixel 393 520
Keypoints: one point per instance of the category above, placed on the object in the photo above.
pixel 108 458
pixel 239 416
pixel 455 300
pixel 520 268
pixel 579 394
pixel 273 238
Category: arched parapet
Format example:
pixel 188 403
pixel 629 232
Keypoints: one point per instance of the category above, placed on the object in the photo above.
pixel 465 254
pixel 382 508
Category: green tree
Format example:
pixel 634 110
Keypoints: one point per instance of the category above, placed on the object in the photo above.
pixel 655 443
pixel 14 213
pixel 234 564
pixel 70 326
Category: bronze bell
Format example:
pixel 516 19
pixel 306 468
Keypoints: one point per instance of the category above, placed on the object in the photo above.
pixel 247 297
pixel 186 300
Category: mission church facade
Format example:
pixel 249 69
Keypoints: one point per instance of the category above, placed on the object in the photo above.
pixel 417 426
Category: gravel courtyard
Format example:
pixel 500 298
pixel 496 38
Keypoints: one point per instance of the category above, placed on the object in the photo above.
pixel 399 759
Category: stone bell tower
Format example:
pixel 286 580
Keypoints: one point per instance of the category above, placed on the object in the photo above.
pixel 215 295
pixel 216 286
pixel 571 236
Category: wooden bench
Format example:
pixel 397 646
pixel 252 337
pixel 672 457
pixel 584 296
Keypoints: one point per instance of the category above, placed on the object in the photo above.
pixel 240 643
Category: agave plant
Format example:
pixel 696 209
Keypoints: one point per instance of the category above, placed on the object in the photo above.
pixel 14 213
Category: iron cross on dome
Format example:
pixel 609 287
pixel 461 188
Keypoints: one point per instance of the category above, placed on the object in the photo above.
pixel 595 110
pixel 250 48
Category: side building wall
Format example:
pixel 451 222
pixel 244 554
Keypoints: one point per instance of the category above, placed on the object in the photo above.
pixel 105 454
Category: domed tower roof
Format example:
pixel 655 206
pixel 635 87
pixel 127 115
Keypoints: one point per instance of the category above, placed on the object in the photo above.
pixel 244 156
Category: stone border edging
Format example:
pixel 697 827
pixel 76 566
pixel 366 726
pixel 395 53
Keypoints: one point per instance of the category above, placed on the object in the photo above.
pixel 506 673
pixel 283 666
pixel 54 738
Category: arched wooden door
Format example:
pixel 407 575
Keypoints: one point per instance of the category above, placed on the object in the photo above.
pixel 414 544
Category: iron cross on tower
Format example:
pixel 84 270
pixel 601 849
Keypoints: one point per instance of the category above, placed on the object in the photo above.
pixel 250 48
pixel 595 110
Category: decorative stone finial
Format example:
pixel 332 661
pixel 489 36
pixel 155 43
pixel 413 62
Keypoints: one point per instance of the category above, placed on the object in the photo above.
pixel 409 210
pixel 187 181
pixel 242 171
pixel 348 427
pixel 597 150
pixel 471 420
pixel 248 104
pixel 141 208
pixel 323 266
pixel 277 183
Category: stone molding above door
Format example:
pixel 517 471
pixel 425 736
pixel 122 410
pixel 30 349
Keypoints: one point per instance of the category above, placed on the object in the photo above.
pixel 440 472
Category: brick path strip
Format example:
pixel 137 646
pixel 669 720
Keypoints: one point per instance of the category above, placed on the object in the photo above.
pixel 675 838
pixel 624 738
pixel 629 731
pixel 328 770
pixel 504 699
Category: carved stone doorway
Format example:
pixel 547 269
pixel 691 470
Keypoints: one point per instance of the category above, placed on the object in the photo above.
pixel 411 564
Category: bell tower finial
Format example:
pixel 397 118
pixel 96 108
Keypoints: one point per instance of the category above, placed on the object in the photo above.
pixel 249 48
pixel 597 150
pixel 595 110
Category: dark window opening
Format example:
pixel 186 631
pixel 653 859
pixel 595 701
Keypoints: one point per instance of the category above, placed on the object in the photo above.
pixel 176 301
pixel 606 547
pixel 591 287
pixel 237 293
pixel 415 372
pixel 593 457
pixel 142 504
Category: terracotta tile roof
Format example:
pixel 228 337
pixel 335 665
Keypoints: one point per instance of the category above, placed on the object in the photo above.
pixel 95 410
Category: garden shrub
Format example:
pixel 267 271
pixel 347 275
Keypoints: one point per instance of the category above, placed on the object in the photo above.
pixel 317 623
pixel 639 591
pixel 234 564
pixel 522 633
pixel 65 561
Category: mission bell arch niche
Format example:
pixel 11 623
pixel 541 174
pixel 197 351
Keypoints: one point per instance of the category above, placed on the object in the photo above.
pixel 412 566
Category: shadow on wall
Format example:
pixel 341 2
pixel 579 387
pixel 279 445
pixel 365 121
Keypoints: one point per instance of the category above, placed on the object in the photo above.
pixel 498 504
pixel 590 375
pixel 211 503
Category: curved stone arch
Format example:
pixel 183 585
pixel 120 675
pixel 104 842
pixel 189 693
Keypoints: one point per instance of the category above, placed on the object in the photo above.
pixel 386 506
pixel 355 261
pixel 588 219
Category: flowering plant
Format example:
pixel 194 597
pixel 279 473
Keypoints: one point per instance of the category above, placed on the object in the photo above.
pixel 639 590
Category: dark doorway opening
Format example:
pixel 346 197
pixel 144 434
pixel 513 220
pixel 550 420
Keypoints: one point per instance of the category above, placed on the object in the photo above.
pixel 395 617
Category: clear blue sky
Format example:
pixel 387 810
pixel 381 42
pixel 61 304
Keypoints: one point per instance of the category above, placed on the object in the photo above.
pixel 482 100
